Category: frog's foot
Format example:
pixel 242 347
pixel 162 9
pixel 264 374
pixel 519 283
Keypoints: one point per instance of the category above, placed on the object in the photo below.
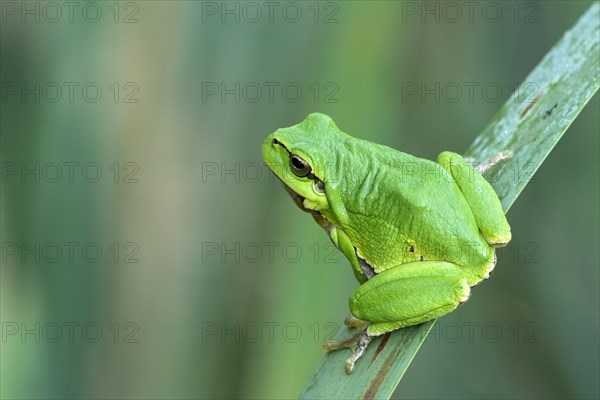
pixel 363 341
pixel 360 339
pixel 352 322
pixel 484 166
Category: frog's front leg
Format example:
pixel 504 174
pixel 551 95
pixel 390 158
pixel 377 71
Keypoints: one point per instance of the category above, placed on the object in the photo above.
pixel 480 196
pixel 405 295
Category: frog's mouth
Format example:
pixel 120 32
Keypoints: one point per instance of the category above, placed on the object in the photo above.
pixel 299 200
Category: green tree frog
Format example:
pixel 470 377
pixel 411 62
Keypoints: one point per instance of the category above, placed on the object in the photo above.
pixel 419 234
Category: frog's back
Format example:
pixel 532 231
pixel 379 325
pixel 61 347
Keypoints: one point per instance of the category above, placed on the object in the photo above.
pixel 412 203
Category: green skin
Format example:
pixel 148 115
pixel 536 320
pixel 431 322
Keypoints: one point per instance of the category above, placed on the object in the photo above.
pixel 418 234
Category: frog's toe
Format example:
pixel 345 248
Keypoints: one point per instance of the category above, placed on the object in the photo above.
pixel 348 342
pixel 359 341
pixel 349 366
pixel 363 342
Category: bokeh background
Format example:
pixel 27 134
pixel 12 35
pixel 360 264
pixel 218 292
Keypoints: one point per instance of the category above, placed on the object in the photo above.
pixel 134 129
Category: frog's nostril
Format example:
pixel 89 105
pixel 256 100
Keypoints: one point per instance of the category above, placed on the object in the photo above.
pixel 276 142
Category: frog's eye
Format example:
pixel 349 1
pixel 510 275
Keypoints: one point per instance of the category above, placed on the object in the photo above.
pixel 299 166
pixel 319 186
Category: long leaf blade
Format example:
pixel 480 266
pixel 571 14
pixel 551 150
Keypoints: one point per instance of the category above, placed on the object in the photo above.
pixel 563 82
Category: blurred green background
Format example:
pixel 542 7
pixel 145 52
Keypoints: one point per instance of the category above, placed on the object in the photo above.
pixel 148 253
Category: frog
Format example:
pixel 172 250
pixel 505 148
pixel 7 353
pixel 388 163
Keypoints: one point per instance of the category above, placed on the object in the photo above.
pixel 419 234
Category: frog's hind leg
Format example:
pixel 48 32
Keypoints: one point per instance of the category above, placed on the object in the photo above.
pixel 410 294
pixel 352 322
pixel 480 196
pixel 405 295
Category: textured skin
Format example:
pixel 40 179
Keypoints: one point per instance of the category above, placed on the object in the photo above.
pixel 428 229
pixel 408 295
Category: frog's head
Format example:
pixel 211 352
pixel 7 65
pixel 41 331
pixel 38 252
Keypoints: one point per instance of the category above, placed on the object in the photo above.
pixel 304 158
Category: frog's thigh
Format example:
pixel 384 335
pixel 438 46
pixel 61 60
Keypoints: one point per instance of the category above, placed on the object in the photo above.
pixel 409 294
pixel 480 195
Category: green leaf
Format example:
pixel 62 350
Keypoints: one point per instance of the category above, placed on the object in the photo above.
pixel 529 125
